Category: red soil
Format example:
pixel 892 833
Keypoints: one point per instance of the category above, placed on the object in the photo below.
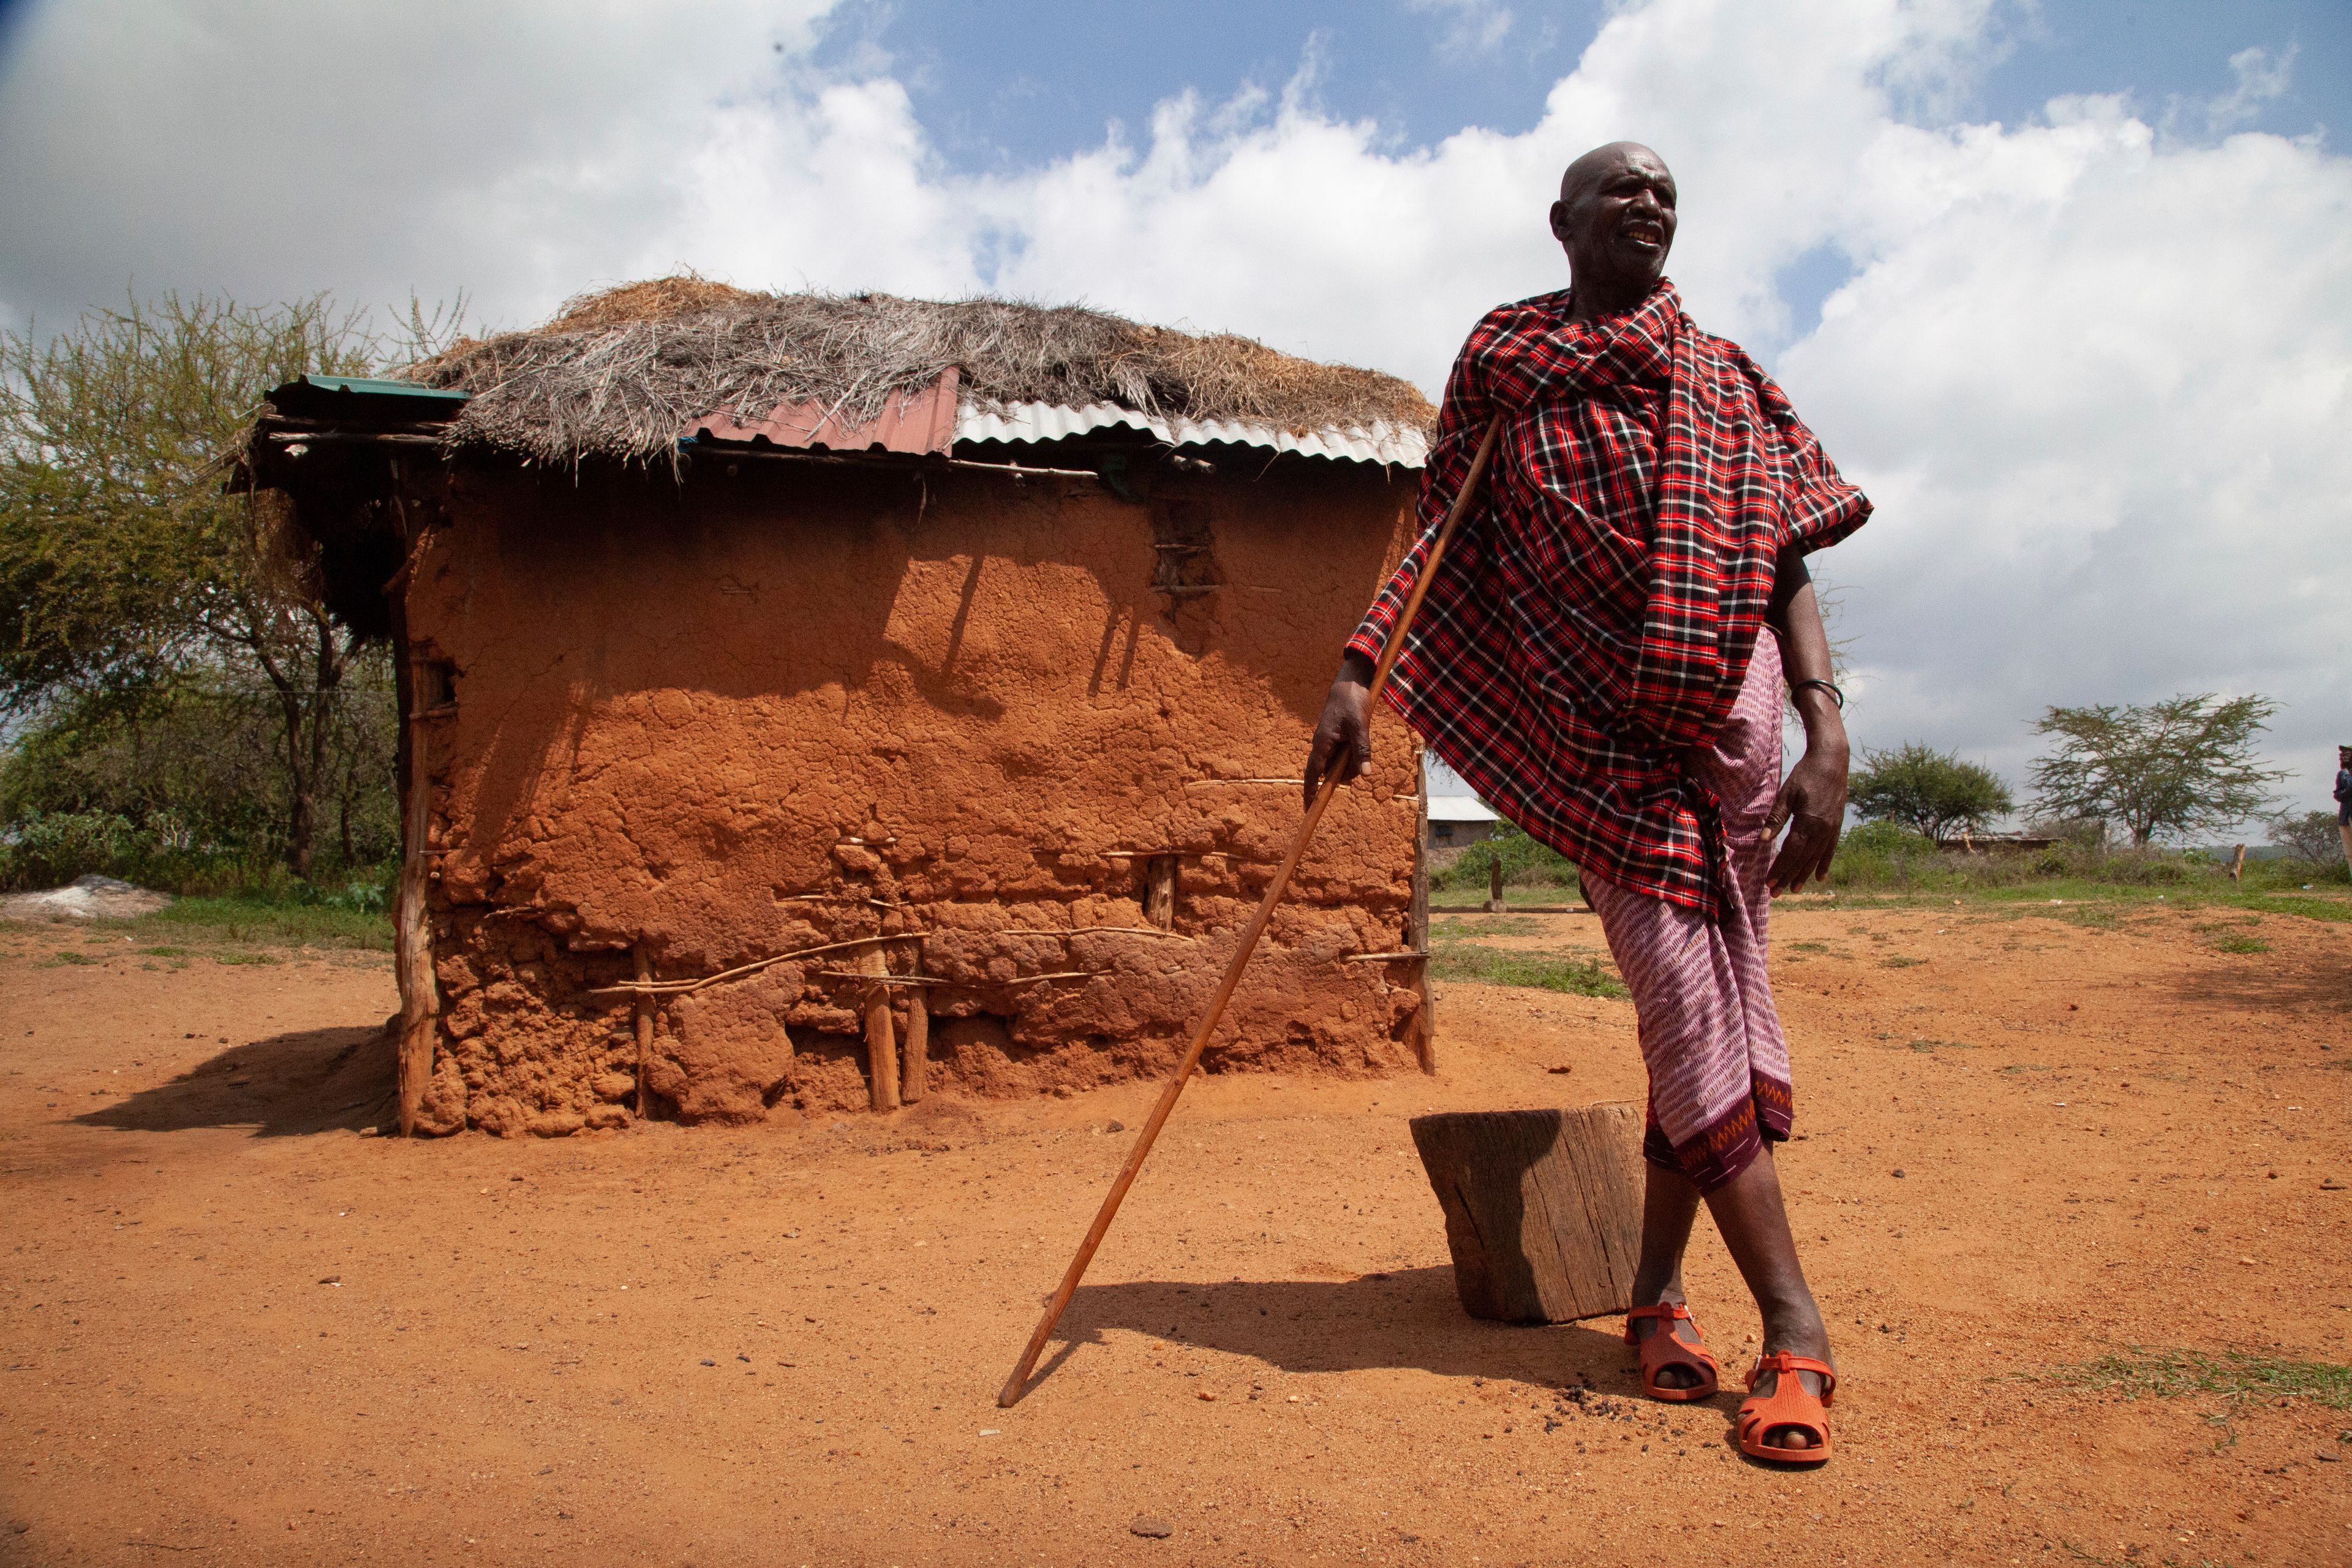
pixel 238 1330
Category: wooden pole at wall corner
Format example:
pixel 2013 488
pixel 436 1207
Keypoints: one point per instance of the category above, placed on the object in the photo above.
pixel 644 1027
pixel 1416 938
pixel 881 1047
pixel 1328 790
pixel 420 993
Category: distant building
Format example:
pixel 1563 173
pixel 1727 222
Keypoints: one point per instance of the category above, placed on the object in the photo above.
pixel 1456 820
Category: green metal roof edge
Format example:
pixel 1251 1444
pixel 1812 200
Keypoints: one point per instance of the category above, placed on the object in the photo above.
pixel 366 387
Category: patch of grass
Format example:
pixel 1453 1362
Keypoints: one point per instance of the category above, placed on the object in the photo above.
pixel 242 958
pixel 1925 1046
pixel 2026 1067
pixel 2234 943
pixel 2314 908
pixel 65 956
pixel 1498 925
pixel 1898 962
pixel 206 923
pixel 2231 1375
pixel 1562 972
pixel 1549 895
pixel 1809 947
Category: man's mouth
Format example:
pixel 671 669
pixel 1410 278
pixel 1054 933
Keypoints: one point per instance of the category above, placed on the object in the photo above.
pixel 1649 236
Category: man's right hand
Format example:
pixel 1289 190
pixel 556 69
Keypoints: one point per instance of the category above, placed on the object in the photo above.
pixel 1343 739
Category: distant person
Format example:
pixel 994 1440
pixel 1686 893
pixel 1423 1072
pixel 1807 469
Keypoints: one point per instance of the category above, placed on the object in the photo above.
pixel 2344 800
pixel 1600 658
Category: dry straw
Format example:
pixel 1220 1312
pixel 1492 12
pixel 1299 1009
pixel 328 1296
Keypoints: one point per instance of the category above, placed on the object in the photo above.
pixel 620 373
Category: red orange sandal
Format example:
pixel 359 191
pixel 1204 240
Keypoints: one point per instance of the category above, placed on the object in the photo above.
pixel 1789 1405
pixel 1664 1348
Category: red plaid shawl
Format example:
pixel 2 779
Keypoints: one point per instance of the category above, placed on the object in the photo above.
pixel 1593 618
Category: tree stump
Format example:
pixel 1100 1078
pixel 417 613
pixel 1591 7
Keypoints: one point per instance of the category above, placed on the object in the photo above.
pixel 1543 1208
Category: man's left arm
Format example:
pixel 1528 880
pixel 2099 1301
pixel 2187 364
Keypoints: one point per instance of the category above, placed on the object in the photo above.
pixel 1812 801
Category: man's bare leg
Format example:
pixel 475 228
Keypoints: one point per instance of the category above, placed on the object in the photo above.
pixel 1748 1210
pixel 1669 1205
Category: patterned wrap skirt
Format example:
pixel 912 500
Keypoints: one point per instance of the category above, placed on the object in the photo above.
pixel 1710 1036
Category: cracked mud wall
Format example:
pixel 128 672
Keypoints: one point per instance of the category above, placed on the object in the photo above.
pixel 800 705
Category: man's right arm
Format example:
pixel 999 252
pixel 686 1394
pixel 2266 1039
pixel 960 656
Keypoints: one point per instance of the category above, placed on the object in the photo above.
pixel 1342 746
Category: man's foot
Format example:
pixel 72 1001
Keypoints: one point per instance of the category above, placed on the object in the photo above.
pixel 1798 1437
pixel 1678 1368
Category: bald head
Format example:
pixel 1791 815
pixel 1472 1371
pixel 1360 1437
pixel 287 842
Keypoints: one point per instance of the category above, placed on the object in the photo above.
pixel 1615 218
pixel 1587 171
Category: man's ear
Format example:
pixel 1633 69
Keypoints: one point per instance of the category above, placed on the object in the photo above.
pixel 1560 222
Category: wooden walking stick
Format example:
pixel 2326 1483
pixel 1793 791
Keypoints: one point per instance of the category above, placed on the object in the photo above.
pixel 1017 1385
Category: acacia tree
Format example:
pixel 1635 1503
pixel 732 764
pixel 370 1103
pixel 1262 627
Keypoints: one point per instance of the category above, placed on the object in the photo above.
pixel 1933 793
pixel 122 565
pixel 2309 837
pixel 2163 769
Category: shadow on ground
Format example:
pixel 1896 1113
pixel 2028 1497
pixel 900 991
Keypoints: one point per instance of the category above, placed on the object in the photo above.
pixel 2283 981
pixel 1408 1318
pixel 309 1081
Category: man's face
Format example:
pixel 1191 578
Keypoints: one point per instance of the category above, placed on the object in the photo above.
pixel 1615 218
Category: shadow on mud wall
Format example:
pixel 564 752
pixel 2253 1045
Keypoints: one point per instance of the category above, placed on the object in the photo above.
pixel 1411 1318
pixel 311 1080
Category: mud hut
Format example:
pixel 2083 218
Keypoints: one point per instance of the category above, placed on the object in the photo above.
pixel 816 702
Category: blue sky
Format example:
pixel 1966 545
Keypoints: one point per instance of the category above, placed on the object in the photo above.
pixel 1018 82
pixel 1014 84
pixel 2066 288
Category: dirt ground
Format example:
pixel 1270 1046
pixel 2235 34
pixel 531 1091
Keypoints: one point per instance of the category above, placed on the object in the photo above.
pixel 237 1326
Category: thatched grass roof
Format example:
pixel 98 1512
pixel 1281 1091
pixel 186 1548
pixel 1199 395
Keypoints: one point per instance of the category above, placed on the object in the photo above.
pixel 619 373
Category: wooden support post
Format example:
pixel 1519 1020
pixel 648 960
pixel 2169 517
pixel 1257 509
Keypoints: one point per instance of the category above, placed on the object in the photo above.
pixel 2237 864
pixel 420 991
pixel 1543 1208
pixel 1495 884
pixel 645 1030
pixel 1159 892
pixel 881 1047
pixel 914 1076
pixel 1416 936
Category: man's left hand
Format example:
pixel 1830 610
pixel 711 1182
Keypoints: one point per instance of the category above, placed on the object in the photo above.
pixel 1812 805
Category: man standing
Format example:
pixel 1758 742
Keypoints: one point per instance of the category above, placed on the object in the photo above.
pixel 2344 800
pixel 1597 657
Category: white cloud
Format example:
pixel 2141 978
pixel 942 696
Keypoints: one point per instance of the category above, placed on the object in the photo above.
pixel 2258 79
pixel 1472 26
pixel 2095 374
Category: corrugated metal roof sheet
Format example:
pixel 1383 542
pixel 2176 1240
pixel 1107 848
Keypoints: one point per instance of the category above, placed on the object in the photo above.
pixel 1459 808
pixel 1032 422
pixel 919 422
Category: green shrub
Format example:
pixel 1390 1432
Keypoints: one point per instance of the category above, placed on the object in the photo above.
pixel 1526 863
pixel 49 850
